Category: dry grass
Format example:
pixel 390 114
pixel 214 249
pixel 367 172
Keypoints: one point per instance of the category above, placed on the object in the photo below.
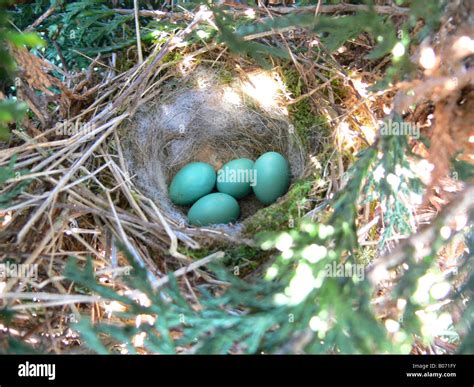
pixel 83 198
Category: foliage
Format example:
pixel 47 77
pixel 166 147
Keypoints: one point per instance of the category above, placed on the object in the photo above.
pixel 90 27
pixel 314 296
pixel 334 32
pixel 84 29
pixel 11 110
pixel 8 173
pixel 302 303
pixel 393 184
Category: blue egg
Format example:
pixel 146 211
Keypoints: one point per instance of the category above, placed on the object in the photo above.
pixel 272 175
pixel 235 178
pixel 215 208
pixel 192 182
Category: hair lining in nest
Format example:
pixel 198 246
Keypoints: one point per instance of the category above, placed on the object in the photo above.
pixel 203 119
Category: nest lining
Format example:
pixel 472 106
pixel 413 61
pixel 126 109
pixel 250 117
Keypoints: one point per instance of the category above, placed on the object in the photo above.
pixel 204 119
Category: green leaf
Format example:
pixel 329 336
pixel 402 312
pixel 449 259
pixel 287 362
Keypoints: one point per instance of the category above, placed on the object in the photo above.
pixel 29 39
pixel 88 332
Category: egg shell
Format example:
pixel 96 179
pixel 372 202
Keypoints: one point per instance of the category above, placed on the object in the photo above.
pixel 235 178
pixel 191 183
pixel 215 208
pixel 272 172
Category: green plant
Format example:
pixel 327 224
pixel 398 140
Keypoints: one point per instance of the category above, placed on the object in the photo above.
pixel 302 303
pixel 11 110
pixel 315 296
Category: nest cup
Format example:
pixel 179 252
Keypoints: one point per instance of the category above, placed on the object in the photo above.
pixel 199 117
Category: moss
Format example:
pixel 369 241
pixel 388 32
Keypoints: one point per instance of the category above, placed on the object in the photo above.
pixel 246 258
pixel 339 89
pixel 301 113
pixel 225 76
pixel 281 215
pixel 233 253
pixel 196 254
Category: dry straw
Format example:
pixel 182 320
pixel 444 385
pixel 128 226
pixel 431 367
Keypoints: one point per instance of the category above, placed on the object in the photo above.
pixel 101 176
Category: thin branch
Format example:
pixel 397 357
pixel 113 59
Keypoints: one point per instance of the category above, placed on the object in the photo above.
pixel 42 18
pixel 338 8
pixel 190 267
pixel 137 32
pixel 320 9
pixel 32 220
pixel 143 13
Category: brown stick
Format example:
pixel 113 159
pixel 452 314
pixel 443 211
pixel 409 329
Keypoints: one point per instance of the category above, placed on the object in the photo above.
pixel 170 45
pixel 137 32
pixel 381 9
pixel 323 9
pixel 143 13
pixel 41 19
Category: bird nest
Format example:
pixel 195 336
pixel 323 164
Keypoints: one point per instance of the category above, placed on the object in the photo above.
pixel 202 118
pixel 91 172
pixel 107 169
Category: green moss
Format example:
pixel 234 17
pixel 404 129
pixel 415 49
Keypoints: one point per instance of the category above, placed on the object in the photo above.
pixel 173 56
pixel 281 215
pixel 225 76
pixel 246 258
pixel 196 254
pixel 339 89
pixel 301 113
pixel 233 253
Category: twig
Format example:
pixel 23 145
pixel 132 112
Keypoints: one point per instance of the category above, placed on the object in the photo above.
pixel 45 296
pixel 61 56
pixel 143 13
pixel 381 9
pixel 34 175
pixel 174 240
pixel 320 9
pixel 112 125
pixel 310 93
pixel 137 32
pixel 190 267
pixel 127 243
pixel 41 19
pixel 434 89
